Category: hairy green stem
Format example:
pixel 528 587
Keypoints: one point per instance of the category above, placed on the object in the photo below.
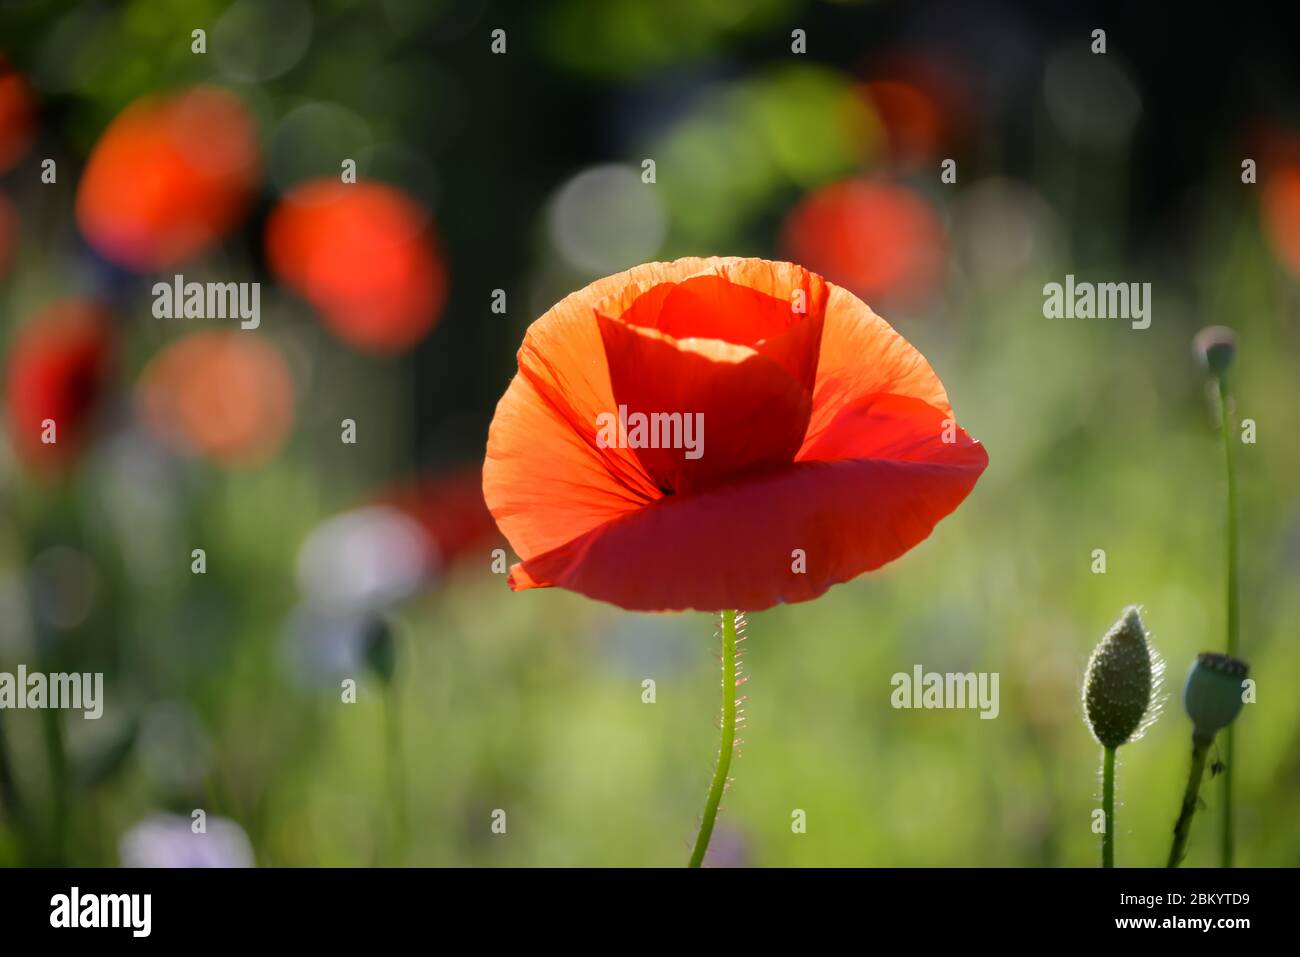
pixel 1226 837
pixel 1183 827
pixel 728 738
pixel 1108 806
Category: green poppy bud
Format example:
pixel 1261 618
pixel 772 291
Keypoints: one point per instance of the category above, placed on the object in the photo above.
pixel 1121 686
pixel 1212 695
pixel 1215 346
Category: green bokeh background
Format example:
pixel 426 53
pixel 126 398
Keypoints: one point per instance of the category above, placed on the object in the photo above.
pixel 1099 436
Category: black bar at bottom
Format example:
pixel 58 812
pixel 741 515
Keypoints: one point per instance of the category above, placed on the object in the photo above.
pixel 339 906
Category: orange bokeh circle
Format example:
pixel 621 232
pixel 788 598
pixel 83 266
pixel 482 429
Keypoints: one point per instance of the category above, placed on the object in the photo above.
pixel 224 394
pixel 364 255
pixel 170 177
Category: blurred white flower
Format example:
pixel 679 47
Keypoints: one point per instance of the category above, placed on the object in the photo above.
pixel 363 560
pixel 168 840
pixel 605 219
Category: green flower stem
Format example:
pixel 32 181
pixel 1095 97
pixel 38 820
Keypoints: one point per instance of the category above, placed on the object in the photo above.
pixel 1200 748
pixel 1226 841
pixel 11 802
pixel 396 772
pixel 8 782
pixel 728 737
pixel 56 754
pixel 1229 468
pixel 1108 806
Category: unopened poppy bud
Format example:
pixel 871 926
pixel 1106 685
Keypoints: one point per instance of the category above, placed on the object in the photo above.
pixel 1121 683
pixel 1212 695
pixel 1214 347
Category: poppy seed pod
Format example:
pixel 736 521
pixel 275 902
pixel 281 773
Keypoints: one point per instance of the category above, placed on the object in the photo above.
pixel 1215 347
pixel 1121 682
pixel 1212 695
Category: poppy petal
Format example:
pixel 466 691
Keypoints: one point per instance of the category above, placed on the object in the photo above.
pixel 669 393
pixel 546 478
pixel 563 359
pixel 716 353
pixel 545 483
pixel 861 356
pixel 733 546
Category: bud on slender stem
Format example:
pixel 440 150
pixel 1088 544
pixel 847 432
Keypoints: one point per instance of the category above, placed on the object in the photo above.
pixel 1212 698
pixel 1120 700
pixel 1216 347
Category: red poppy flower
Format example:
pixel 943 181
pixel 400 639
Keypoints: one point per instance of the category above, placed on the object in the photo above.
pixel 880 240
pixel 825 435
pixel 57 368
pixel 17 116
pixel 913 124
pixel 363 254
pixel 169 177
pixel 927 110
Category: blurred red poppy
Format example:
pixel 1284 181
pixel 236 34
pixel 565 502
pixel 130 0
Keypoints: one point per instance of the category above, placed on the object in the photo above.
pixel 927 110
pixel 831 447
pixel 17 116
pixel 450 508
pixel 10 233
pixel 913 125
pixel 1271 144
pixel 1280 204
pixel 57 369
pixel 169 178
pixel 227 395
pixel 364 255
pixel 880 240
